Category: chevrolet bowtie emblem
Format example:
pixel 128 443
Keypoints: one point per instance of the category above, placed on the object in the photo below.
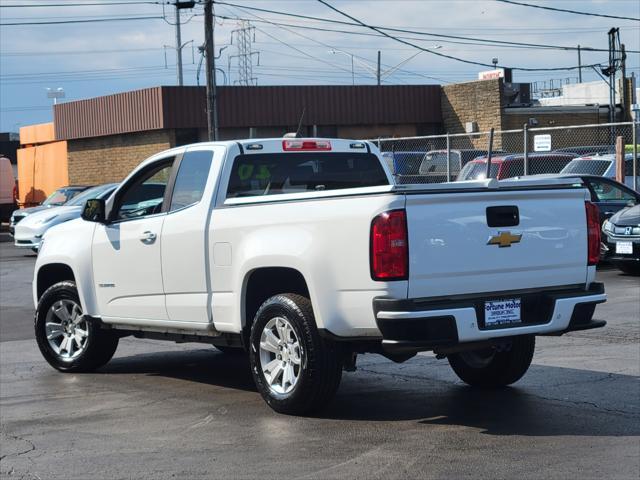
pixel 504 239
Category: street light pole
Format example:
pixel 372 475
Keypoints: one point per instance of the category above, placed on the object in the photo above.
pixel 179 6
pixel 353 75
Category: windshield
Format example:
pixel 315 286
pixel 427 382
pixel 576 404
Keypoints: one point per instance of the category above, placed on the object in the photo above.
pixel 477 171
pixel 61 196
pixel 587 167
pixel 94 192
pixel 437 163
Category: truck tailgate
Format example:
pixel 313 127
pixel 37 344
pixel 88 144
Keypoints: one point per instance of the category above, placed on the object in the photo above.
pixel 453 250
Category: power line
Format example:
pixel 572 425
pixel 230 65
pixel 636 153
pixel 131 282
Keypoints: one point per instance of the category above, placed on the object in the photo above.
pixel 92 4
pixel 413 32
pixel 76 52
pixel 444 55
pixel 94 20
pixel 323 44
pixel 376 35
pixel 576 12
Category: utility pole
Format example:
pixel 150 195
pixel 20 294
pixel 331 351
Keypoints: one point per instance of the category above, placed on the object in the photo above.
pixel 579 66
pixel 623 89
pixel 178 46
pixel 212 113
pixel 378 72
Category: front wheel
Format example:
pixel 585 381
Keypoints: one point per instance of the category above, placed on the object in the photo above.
pixel 66 337
pixel 295 370
pixel 495 366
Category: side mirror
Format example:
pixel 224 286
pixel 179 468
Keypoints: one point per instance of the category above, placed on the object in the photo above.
pixel 94 211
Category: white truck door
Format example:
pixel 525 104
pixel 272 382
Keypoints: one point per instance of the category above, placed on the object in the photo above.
pixel 126 252
pixel 185 243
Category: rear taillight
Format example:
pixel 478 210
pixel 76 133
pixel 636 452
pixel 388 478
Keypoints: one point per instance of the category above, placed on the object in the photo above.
pixel 305 145
pixel 389 246
pixel 593 233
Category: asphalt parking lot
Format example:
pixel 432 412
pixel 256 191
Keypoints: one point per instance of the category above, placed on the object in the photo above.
pixel 161 410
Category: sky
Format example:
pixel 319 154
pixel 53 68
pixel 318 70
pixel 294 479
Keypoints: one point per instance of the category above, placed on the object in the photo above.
pixel 88 59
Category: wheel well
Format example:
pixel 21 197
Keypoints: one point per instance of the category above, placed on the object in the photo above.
pixel 51 274
pixel 267 282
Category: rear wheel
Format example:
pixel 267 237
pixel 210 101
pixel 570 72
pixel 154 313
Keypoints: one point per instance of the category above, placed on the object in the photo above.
pixel 296 371
pixel 66 337
pixel 495 366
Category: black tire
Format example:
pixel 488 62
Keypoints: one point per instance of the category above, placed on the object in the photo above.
pixel 320 368
pixel 230 350
pixel 629 268
pixel 99 346
pixel 495 368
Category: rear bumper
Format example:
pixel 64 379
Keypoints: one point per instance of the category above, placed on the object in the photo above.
pixel 428 324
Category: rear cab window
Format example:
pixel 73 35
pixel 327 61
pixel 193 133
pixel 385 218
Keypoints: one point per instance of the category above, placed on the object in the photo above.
pixel 281 173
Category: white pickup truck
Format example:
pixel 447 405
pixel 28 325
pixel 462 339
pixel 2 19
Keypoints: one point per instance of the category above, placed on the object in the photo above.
pixel 304 253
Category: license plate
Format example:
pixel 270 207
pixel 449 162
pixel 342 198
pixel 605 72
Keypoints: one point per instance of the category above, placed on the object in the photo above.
pixel 624 247
pixel 503 312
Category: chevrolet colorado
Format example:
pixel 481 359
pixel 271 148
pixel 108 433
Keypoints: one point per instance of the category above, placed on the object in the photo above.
pixel 304 253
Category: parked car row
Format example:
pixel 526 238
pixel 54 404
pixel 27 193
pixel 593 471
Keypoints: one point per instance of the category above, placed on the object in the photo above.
pixel 58 198
pixel 471 164
pixel 512 165
pixel 63 205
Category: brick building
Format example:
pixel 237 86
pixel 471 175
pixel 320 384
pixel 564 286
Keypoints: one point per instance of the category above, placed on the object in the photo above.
pixel 108 136
pixel 480 105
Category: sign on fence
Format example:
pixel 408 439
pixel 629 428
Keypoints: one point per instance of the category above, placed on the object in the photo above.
pixel 542 143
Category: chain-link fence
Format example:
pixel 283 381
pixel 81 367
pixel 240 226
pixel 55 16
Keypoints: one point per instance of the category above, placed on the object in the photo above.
pixel 528 151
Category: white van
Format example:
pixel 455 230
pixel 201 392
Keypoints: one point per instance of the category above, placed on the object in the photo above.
pixel 7 189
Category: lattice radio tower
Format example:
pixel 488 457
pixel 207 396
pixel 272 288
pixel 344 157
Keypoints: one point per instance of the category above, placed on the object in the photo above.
pixel 244 36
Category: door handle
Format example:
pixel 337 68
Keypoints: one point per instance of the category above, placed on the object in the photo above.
pixel 148 237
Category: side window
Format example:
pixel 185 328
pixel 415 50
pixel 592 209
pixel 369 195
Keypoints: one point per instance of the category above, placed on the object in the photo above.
pixel 191 179
pixel 145 194
pixel 515 168
pixel 606 191
pixel 628 167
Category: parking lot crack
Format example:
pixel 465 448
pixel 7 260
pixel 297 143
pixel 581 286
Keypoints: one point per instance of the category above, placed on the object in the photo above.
pixel 30 448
